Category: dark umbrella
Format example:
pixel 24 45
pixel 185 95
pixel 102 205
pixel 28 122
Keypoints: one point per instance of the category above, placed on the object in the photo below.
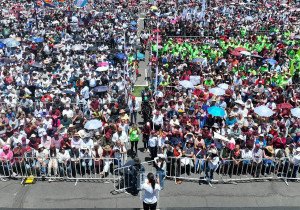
pixel 284 106
pixel 69 92
pixel 100 89
pixel 37 65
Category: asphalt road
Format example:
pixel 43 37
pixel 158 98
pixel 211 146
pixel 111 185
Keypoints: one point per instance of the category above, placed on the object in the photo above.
pixel 186 195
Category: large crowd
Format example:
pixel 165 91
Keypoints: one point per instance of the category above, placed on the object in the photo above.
pixel 212 65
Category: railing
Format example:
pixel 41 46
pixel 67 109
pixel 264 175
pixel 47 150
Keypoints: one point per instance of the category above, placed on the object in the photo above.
pixel 231 171
pixel 51 169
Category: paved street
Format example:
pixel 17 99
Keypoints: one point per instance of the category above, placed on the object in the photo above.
pixel 97 195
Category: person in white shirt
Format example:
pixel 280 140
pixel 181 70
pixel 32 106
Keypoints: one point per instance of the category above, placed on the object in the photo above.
pixel 87 142
pixel 152 144
pixel 42 159
pixel 76 141
pixel 151 189
pixel 120 135
pixel 65 100
pixel 64 159
pixel 296 163
pixel 157 120
pixel 69 112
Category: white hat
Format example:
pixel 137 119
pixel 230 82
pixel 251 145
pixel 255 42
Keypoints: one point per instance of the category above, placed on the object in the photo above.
pixel 32 136
pixel 298 149
pixel 41 146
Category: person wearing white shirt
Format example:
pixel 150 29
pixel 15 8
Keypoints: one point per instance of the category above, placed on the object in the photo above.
pixel 76 141
pixel 152 144
pixel 87 142
pixel 69 112
pixel 120 135
pixel 151 189
pixel 296 162
pixel 65 100
pixel 157 120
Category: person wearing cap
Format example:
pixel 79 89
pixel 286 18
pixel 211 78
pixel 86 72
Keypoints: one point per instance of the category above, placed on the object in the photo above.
pixel 85 156
pixel 133 106
pixel 68 112
pixel 261 141
pixel 76 141
pixel 87 141
pixel 119 134
pixel 212 164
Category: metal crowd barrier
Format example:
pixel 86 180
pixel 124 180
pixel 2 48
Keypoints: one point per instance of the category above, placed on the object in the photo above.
pixel 231 171
pixel 52 169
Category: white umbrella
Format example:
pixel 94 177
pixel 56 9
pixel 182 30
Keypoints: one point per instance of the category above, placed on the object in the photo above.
pixel 102 68
pixel 239 102
pixel 223 86
pixel 249 18
pixel 296 112
pixel 93 124
pixel 246 53
pixel 77 47
pixel 217 91
pixel 263 111
pixel 186 84
pixel 218 136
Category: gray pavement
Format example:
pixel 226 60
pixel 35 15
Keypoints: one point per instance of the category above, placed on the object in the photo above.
pixel 143 65
pixel 186 195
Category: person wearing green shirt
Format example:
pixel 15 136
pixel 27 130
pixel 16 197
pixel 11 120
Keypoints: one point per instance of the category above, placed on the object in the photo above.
pixel 134 137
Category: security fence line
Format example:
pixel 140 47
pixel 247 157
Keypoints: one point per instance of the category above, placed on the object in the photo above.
pixel 111 170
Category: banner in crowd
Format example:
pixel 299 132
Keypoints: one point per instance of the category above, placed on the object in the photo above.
pixel 81 3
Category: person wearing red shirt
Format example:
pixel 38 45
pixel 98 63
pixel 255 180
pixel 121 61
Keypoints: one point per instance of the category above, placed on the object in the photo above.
pixel 178 154
pixel 279 142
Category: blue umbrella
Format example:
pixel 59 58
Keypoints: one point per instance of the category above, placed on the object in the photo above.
pixel 9 42
pixel 133 23
pixel 70 92
pixel 120 56
pixel 37 39
pixel 2 45
pixel 270 61
pixel 197 60
pixel 139 56
pixel 133 28
pixel 100 89
pixel 216 111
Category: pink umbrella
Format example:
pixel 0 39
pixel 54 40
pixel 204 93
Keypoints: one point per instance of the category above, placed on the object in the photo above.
pixel 235 53
pixel 102 64
pixel 239 49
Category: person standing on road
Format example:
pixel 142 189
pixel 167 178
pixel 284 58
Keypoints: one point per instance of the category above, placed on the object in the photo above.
pixel 134 137
pixel 150 188
pixel 153 141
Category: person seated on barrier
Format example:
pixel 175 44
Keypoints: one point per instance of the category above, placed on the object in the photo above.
pixel 175 163
pixel 75 161
pixel 160 165
pixel 64 162
pixel 246 155
pixel 86 160
pixel 42 159
pixel 225 156
pixel 268 159
pixel 296 163
pixel 188 153
pixel 257 157
pixel 53 163
pixel 261 141
pixel 107 156
pixel 212 164
pixel 199 158
pixel 120 153
pixel 97 153
pixel 236 158
pixel 7 161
